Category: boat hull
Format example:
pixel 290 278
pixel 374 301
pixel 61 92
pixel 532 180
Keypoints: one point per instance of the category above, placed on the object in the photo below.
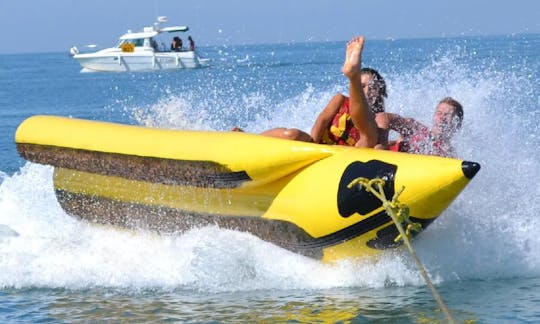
pixel 139 61
pixel 290 193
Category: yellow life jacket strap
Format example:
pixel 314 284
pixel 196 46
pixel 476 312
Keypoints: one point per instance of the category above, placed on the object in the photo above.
pixel 340 130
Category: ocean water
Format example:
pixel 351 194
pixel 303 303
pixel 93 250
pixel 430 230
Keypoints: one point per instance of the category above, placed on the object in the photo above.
pixel 483 253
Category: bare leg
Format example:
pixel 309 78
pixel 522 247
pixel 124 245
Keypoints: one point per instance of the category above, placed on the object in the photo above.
pixel 361 114
pixel 288 133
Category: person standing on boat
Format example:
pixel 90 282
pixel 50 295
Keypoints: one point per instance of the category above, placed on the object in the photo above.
pixel 419 139
pixel 191 43
pixel 176 45
pixel 154 44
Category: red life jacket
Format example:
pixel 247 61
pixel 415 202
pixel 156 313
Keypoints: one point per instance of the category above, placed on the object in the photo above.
pixel 342 130
pixel 422 142
pixel 396 147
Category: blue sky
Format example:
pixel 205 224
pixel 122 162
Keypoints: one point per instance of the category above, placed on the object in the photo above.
pixel 56 25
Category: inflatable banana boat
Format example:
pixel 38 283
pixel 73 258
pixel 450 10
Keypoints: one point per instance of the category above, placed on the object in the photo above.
pixel 293 194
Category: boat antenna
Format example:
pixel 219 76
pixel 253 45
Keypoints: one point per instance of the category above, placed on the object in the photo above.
pixel 160 20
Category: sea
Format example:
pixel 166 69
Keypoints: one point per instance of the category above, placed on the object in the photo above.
pixel 482 253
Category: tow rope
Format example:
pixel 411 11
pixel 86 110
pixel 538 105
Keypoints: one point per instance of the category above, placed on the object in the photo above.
pixel 400 214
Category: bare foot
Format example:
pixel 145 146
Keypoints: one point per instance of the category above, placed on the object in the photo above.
pixel 353 57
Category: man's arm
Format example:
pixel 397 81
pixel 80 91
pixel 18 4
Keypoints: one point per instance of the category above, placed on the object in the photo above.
pixel 404 126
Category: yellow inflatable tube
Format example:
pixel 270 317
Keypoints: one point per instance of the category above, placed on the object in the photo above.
pixel 293 194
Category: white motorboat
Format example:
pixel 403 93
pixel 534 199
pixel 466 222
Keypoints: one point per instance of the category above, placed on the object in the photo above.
pixel 147 50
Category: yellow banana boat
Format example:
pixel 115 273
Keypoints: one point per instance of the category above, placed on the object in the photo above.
pixel 293 194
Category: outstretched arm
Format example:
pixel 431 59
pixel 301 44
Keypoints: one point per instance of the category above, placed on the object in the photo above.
pixel 402 125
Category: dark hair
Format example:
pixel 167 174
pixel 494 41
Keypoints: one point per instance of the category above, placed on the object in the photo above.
pixel 458 108
pixel 377 104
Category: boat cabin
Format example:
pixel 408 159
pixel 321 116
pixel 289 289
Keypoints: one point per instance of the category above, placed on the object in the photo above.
pixel 157 39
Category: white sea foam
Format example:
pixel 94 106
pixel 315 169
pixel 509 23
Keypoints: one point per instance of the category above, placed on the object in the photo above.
pixel 52 249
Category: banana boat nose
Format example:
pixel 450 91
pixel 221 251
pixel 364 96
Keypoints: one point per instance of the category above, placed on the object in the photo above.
pixel 470 168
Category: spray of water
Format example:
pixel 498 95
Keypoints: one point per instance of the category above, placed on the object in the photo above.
pixel 490 231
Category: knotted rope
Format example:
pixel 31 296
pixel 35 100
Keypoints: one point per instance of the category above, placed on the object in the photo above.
pixel 400 214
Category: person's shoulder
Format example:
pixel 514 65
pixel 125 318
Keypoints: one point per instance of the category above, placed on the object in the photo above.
pixel 382 120
pixel 340 96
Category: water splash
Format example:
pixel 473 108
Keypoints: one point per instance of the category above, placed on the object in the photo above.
pixel 491 229
pixel 55 250
pixel 482 235
pixel 489 232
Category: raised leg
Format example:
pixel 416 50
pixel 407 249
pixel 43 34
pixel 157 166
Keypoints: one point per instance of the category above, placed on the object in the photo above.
pixel 361 114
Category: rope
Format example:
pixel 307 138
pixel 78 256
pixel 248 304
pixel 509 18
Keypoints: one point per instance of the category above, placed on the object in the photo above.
pixel 400 214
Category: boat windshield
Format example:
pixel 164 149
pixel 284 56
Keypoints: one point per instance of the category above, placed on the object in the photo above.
pixel 137 42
